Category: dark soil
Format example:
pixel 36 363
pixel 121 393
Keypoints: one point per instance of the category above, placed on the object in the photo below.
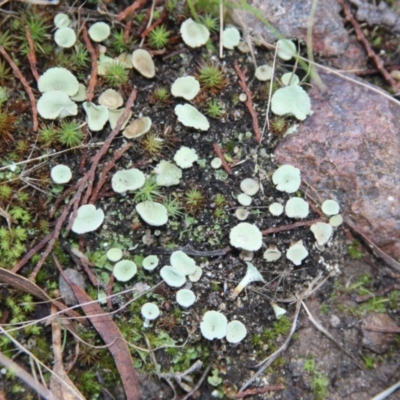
pixel 313 367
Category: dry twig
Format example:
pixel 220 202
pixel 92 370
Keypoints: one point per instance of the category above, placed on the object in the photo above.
pixel 27 88
pixel 291 226
pixel 129 10
pixel 31 54
pixel 249 104
pixel 93 58
pixel 225 165
pixel 370 52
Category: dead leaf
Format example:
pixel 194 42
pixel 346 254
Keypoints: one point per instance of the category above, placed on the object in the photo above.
pixel 61 386
pixel 112 337
pixel 27 286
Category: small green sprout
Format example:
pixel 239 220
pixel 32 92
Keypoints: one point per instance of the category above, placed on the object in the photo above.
pixel 194 199
pixel 159 37
pixel 152 144
pixel 214 109
pixel 5 72
pixel 354 250
pixel 214 379
pixel 116 74
pixel 211 77
pixel 118 41
pixel 220 200
pixel 369 362
pixel 161 94
pixel 70 134
pixel 210 22
pixel 80 57
pixel 38 29
pixel 5 192
pixel 48 135
pixel 5 40
pixel 148 192
pixel 173 206
pixel 279 125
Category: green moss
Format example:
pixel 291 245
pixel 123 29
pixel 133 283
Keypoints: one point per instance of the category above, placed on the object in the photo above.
pixel 48 135
pixel 211 77
pixel 5 192
pixel 70 134
pixel 39 30
pixel 116 74
pixel 159 37
pixel 118 43
pixel 214 109
pixel 354 250
pixel 149 191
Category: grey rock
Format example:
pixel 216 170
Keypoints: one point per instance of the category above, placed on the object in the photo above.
pixel 65 290
pixel 291 19
pixel 349 150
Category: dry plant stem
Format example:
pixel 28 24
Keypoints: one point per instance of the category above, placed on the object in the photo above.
pixel 127 31
pixel 361 38
pixel 249 103
pixel 387 329
pixel 106 145
pixel 225 165
pixel 93 58
pixel 382 292
pixel 265 389
pixel 291 226
pixel 31 54
pixel 27 88
pixel 129 10
pixel 221 28
pixel 109 291
pixel 31 253
pixel 26 377
pixel 198 384
pixel 103 177
pixel 156 23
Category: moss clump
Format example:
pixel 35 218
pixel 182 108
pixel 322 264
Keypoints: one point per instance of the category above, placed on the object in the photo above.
pixel 159 37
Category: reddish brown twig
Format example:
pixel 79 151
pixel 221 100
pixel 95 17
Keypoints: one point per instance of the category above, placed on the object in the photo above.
pixel 370 52
pixel 93 57
pixel 88 178
pixel 155 23
pixel 291 226
pixel 103 150
pixel 382 292
pixel 103 177
pixel 252 392
pixel 127 31
pixel 249 103
pixel 109 291
pixel 31 253
pixel 129 10
pixel 383 329
pixel 27 88
pixel 31 54
pixel 225 165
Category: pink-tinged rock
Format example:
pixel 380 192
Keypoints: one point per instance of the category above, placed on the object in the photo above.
pixel 349 149
pixel 291 19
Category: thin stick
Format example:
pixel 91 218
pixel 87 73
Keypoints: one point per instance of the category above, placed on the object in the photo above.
pixel 31 54
pixel 221 28
pixel 93 57
pixel 27 88
pixel 370 52
pixel 162 17
pixel 252 392
pixel 103 177
pixel 249 103
pixel 26 377
pixel 291 226
pixel 129 10
pixel 225 165
pixel 199 383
